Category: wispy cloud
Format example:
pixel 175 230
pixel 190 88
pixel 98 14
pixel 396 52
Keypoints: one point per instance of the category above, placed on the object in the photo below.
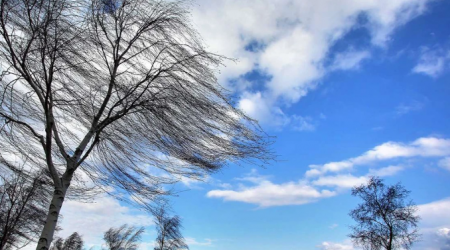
pixel 432 62
pixel 445 163
pixel 349 60
pixel 404 109
pixel 301 123
pixel 333 226
pixel 193 242
pixel 347 245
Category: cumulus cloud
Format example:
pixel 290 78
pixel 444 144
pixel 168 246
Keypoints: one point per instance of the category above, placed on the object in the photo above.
pixel 345 181
pixel 432 62
pixel 422 147
pixel 267 194
pixel 292 41
pixel 93 219
pixel 386 171
pixel 327 180
pixel 434 225
pixel 435 214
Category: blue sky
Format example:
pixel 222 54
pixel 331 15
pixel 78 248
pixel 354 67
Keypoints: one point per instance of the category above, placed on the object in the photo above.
pixel 350 88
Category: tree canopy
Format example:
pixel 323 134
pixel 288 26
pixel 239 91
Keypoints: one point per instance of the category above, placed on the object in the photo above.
pixel 23 205
pixel 385 219
pixel 168 231
pixel 115 94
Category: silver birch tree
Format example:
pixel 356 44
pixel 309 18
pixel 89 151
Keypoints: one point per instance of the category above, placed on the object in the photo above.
pixel 114 91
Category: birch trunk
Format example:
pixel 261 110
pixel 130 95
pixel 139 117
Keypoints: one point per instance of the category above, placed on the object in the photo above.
pixel 48 231
pixel 59 194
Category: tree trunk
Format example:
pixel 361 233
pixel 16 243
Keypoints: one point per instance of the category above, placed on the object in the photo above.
pixel 391 236
pixel 52 218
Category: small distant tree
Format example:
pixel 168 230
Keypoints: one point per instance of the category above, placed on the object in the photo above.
pixel 123 238
pixel 385 219
pixel 23 208
pixel 73 242
pixel 168 228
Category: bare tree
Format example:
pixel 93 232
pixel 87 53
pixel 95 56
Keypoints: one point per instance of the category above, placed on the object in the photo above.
pixel 73 242
pixel 23 208
pixel 385 220
pixel 123 238
pixel 168 229
pixel 112 89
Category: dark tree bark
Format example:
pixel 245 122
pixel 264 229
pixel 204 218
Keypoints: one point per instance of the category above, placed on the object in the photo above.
pixel 111 90
pixel 385 219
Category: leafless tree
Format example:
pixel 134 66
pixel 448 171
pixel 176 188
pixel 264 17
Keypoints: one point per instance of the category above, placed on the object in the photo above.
pixel 168 229
pixel 23 207
pixel 73 242
pixel 385 220
pixel 123 238
pixel 111 90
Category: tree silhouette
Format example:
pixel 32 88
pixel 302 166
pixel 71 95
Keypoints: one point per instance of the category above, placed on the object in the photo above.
pixel 112 93
pixel 123 238
pixel 73 242
pixel 168 230
pixel 23 207
pixel 385 220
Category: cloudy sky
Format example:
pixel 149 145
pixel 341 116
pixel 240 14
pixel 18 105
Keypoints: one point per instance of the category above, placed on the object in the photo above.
pixel 350 88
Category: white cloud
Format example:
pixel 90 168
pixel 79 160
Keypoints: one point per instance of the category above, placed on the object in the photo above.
pixel 262 109
pixel 347 245
pixel 193 242
pixel 327 180
pixel 445 163
pixel 293 41
pixel 300 123
pixel 434 225
pixel 333 226
pixel 91 220
pixel 444 232
pixel 386 171
pixel 343 181
pixel 432 62
pixel 349 60
pixel 266 194
pixel 422 147
pixel 404 109
pixel 435 214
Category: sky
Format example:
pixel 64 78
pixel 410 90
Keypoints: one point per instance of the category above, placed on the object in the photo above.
pixel 350 89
